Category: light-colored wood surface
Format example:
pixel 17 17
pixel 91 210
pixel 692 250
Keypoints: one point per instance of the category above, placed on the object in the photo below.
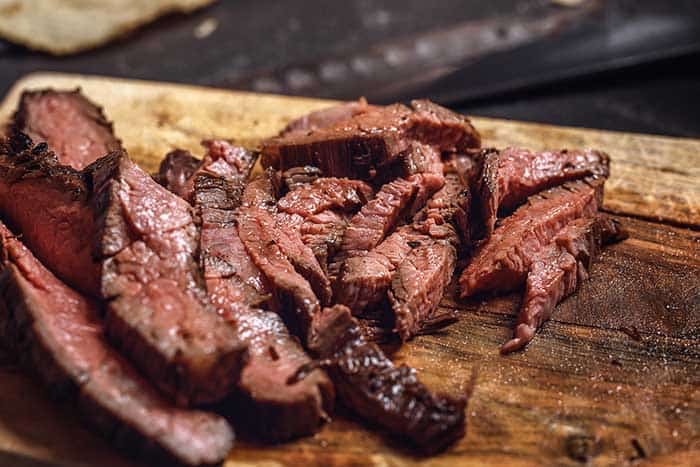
pixel 583 389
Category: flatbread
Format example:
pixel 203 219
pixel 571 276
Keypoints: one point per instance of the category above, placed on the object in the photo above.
pixel 63 27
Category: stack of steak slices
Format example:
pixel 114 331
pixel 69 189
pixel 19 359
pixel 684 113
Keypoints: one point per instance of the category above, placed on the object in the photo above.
pixel 118 256
pixel 263 297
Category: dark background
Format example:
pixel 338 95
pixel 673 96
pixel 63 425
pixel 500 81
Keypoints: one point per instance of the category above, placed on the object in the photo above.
pixel 616 64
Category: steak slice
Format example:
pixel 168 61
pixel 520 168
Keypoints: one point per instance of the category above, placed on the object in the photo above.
pixel 74 128
pixel 501 264
pixel 113 233
pixel 557 270
pixel 57 334
pixel 510 176
pixel 274 408
pixel 354 148
pixel 222 158
pixel 419 284
pixel 365 379
pixel 327 117
pixel 297 177
pixel 176 168
pixel 326 193
pixel 323 234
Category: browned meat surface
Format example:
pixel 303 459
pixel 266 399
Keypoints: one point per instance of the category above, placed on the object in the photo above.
pixel 325 118
pixel 354 148
pixel 394 399
pixel 73 127
pixel 557 270
pixel 175 170
pixel 501 264
pixel 274 409
pixel 511 175
pixel 57 334
pixel 326 193
pixel 114 233
pixel 297 177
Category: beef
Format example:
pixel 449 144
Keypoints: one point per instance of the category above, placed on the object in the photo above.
pixel 323 234
pixel 326 193
pixel 511 175
pixel 176 168
pixel 467 165
pixel 365 379
pixel 394 201
pixel 222 158
pixel 273 408
pixel 357 147
pixel 113 233
pixel 557 270
pixel 58 335
pixel 365 279
pixel 325 118
pixel 74 128
pixel 447 214
pixel 297 177
pixel 419 284
pixel 501 263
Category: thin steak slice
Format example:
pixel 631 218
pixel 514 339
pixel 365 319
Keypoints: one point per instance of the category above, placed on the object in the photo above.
pixel 354 148
pixel 365 379
pixel 274 408
pixel 501 264
pixel 222 158
pixel 113 233
pixel 58 335
pixel 510 176
pixel 74 128
pixel 327 117
pixel 557 270
pixel 323 234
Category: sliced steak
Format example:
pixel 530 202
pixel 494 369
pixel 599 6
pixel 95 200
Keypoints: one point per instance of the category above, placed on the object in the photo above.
pixel 74 128
pixel 222 158
pixel 57 334
pixel 365 379
pixel 326 193
pixel 113 233
pixel 501 264
pixel 419 284
pixel 557 270
pixel 274 408
pixel 511 175
pixel 323 234
pixel 176 169
pixel 354 148
pixel 327 117
pixel 447 213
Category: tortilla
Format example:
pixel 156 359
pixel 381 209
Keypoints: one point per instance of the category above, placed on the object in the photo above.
pixel 63 27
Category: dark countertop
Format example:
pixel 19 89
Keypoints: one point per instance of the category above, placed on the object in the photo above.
pixel 255 43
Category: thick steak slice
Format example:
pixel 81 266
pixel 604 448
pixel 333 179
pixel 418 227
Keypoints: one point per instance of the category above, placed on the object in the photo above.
pixel 326 193
pixel 353 148
pixel 274 408
pixel 557 270
pixel 128 240
pixel 175 170
pixel 365 379
pixel 58 335
pixel 73 127
pixel 419 284
pixel 298 177
pixel 501 264
pixel 325 118
pixel 510 176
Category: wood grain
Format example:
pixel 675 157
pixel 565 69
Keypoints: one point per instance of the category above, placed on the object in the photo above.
pixel 613 379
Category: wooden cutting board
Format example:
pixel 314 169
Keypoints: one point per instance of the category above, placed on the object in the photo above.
pixel 612 379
